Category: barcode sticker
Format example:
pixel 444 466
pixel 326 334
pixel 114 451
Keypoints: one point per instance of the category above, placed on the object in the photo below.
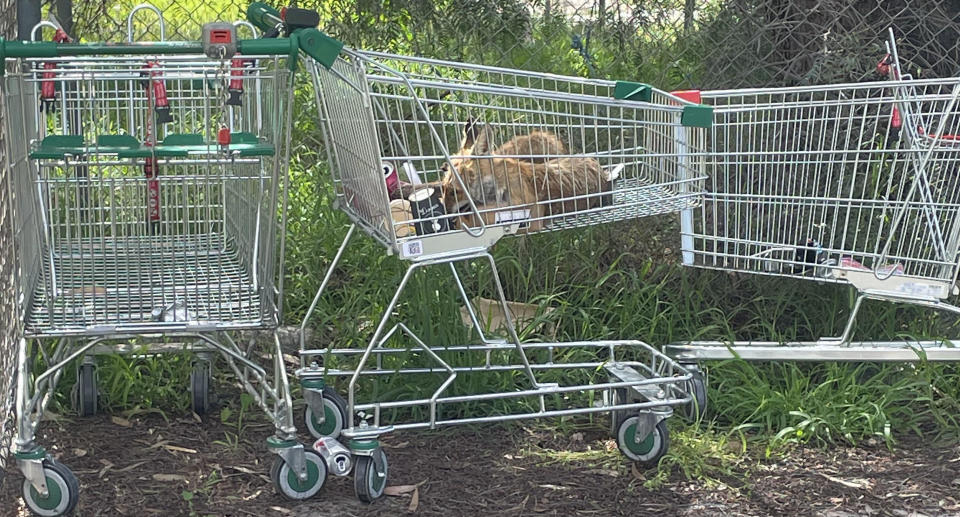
pixel 928 290
pixel 412 249
pixel 509 216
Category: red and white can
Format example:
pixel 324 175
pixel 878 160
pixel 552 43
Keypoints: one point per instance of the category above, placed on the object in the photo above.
pixel 391 178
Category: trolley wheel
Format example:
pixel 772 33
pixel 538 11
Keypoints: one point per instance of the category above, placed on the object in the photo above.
pixel 290 486
pixel 698 393
pixel 63 491
pixel 369 479
pixel 618 396
pixel 200 387
pixel 85 390
pixel 335 414
pixel 649 450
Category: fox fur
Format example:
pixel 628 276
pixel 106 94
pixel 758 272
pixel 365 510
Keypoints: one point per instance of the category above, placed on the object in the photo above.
pixel 495 180
pixel 536 147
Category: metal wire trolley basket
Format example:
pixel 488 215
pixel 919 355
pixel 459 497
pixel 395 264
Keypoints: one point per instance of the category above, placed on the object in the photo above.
pixel 851 183
pixel 148 179
pixel 432 156
pixel 438 160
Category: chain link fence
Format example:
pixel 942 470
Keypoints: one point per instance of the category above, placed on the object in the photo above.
pixel 671 43
pixel 9 315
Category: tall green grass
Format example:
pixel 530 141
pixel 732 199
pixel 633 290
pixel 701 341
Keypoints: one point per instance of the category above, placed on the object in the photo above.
pixel 622 282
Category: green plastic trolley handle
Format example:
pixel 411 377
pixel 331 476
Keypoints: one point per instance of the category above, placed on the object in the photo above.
pixel 312 42
pixel 263 16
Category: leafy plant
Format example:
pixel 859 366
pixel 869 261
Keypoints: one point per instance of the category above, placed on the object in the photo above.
pixel 235 419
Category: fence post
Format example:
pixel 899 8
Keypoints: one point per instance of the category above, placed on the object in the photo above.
pixel 688 13
pixel 28 15
pixel 65 15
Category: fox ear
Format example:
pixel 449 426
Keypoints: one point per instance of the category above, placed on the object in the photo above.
pixel 476 136
pixel 483 140
pixel 470 129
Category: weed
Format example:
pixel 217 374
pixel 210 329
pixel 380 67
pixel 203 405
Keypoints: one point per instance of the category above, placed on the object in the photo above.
pixel 703 454
pixel 236 420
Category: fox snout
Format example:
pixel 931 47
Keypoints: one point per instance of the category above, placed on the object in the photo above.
pixel 482 188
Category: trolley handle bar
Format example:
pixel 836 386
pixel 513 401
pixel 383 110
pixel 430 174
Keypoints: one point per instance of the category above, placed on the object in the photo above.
pixel 314 43
pixel 264 17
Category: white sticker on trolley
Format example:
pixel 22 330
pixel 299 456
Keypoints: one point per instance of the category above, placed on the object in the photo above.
pixel 509 216
pixel 412 249
pixel 916 289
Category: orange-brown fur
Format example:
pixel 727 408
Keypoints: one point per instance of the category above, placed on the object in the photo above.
pixel 538 146
pixel 495 181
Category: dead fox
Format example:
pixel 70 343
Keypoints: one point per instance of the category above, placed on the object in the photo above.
pixel 496 181
pixel 538 146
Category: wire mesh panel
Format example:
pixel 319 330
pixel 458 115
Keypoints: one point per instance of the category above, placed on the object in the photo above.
pixel 9 309
pixel 148 199
pixel 850 183
pixel 422 147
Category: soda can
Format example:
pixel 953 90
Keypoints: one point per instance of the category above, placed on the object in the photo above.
pixel 391 178
pixel 428 212
pixel 336 456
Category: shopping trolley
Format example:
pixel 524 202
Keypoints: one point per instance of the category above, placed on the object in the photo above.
pixel 149 194
pixel 437 161
pixel 854 184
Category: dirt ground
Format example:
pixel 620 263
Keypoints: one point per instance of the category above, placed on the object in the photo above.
pixel 148 466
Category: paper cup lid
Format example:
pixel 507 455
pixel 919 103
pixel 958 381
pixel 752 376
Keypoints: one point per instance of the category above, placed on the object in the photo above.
pixel 421 194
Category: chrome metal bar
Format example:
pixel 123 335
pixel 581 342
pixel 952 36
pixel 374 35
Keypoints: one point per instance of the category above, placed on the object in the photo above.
pixel 323 286
pixel 869 351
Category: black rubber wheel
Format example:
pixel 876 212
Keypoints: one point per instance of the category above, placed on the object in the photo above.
pixel 63 491
pixel 369 479
pixel 200 387
pixel 86 390
pixel 335 411
pixel 698 393
pixel 617 396
pixel 649 450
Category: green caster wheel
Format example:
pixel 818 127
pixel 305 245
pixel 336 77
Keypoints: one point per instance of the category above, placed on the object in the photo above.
pixel 290 486
pixel 370 476
pixel 63 491
pixel 335 414
pixel 85 390
pixel 649 450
